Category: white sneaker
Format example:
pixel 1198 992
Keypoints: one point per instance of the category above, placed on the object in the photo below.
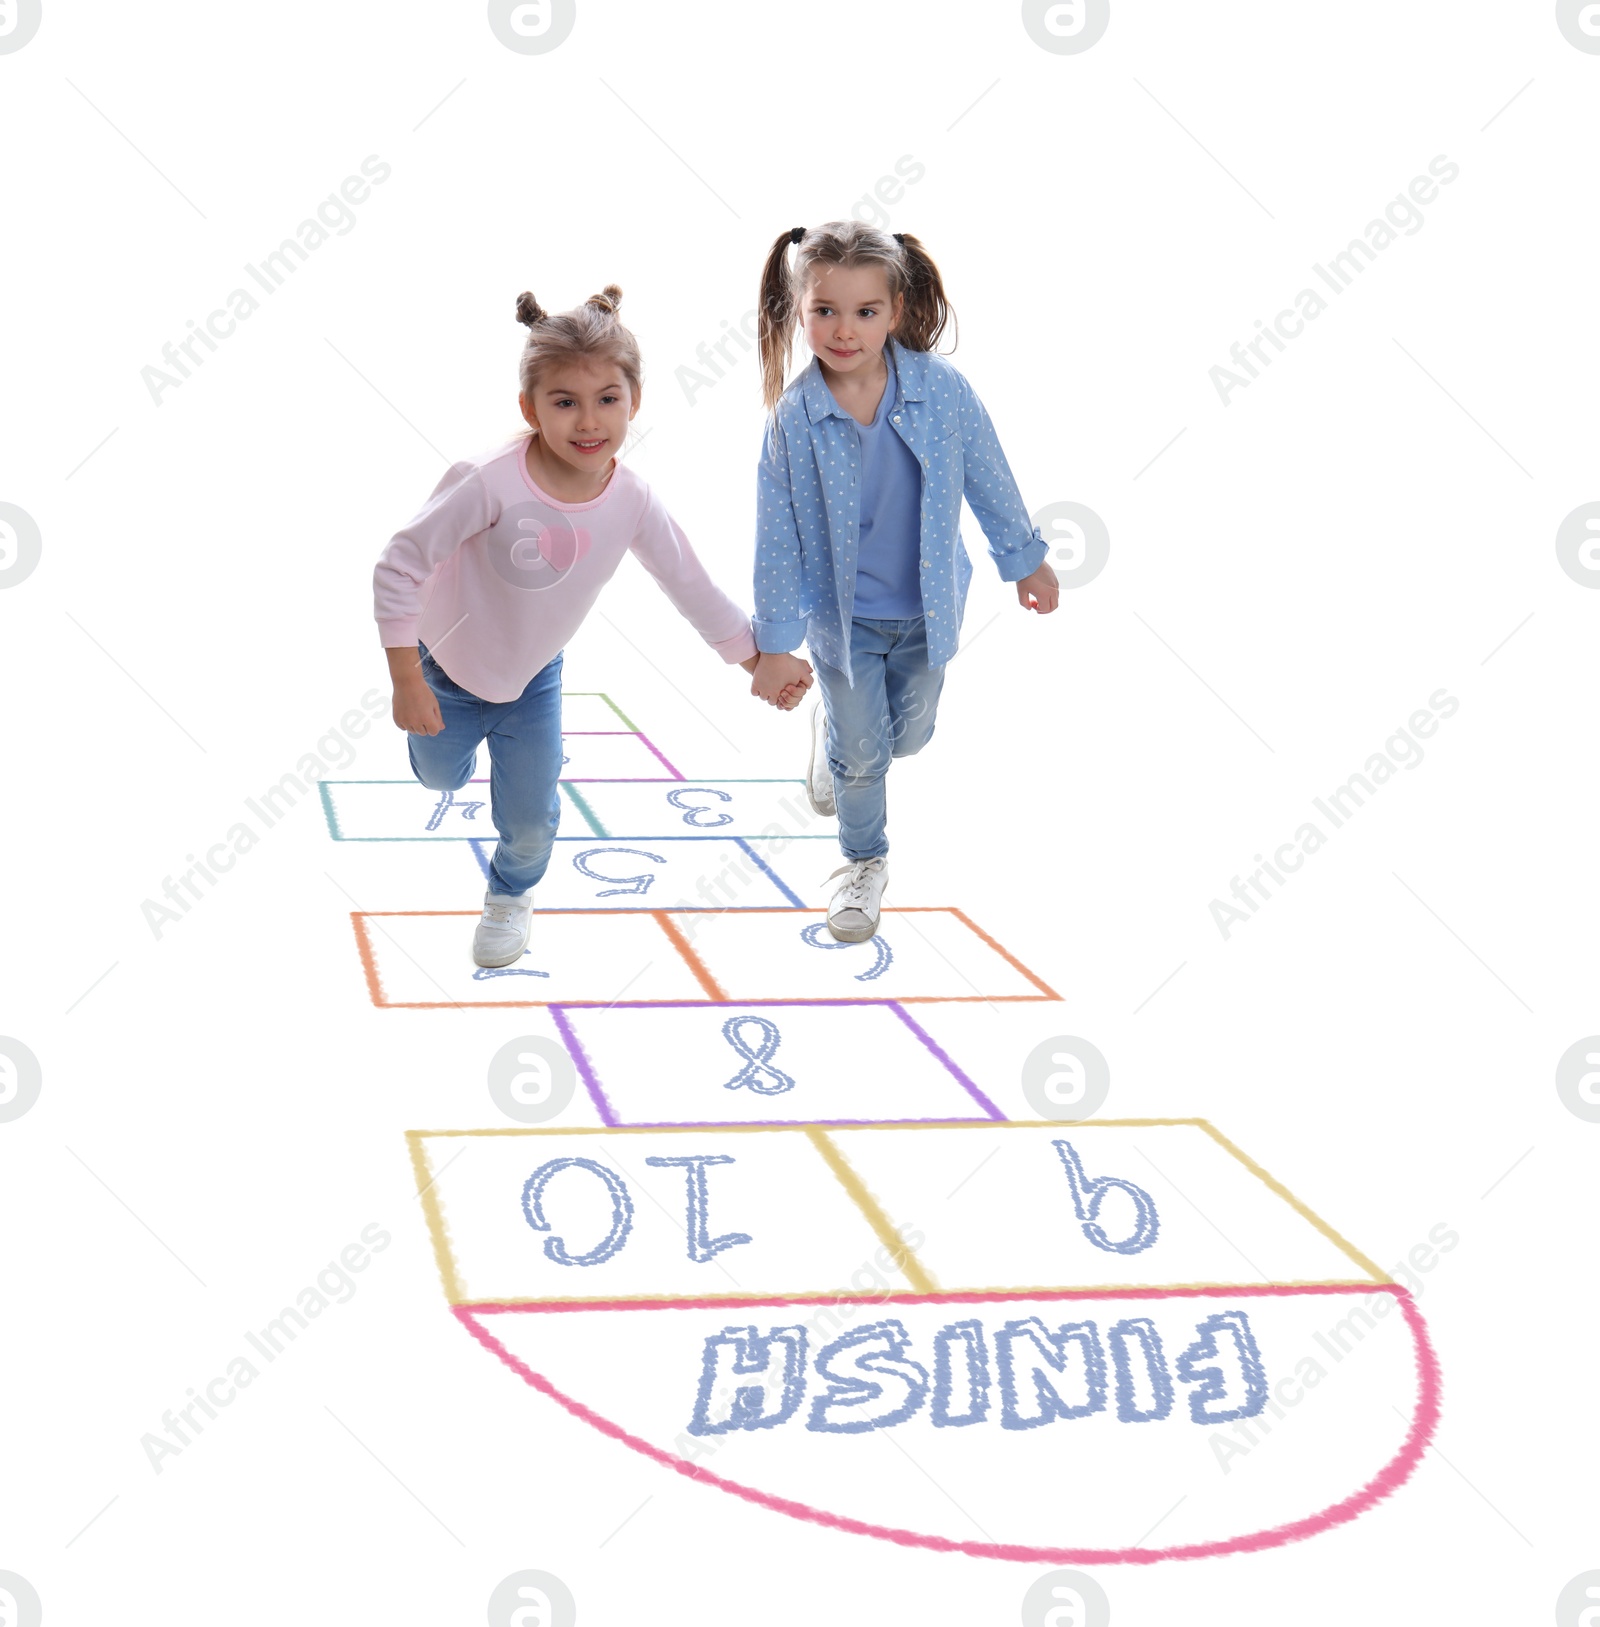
pixel 502 934
pixel 853 914
pixel 819 775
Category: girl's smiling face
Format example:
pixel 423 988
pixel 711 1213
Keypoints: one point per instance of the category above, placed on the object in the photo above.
pixel 581 411
pixel 847 317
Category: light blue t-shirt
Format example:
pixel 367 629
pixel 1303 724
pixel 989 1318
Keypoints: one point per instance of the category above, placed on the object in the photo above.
pixel 889 558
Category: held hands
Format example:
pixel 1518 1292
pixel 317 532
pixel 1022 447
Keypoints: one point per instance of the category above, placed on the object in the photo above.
pixel 779 680
pixel 1041 591
pixel 790 696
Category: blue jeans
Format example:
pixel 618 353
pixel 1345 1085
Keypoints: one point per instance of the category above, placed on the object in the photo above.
pixel 888 712
pixel 524 738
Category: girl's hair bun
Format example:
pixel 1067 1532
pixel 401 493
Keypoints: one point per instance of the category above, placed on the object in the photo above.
pixel 588 334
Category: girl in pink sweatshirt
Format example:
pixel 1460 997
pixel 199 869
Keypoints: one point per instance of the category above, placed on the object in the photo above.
pixel 478 595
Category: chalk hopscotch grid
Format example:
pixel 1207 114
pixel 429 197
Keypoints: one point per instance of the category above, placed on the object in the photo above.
pixel 703 975
pixel 336 830
pixel 719 997
pixel 816 1134
pixel 608 1113
pixel 923 1289
pixel 887 1233
pixel 1387 1480
pixel 596 825
pixel 939 1296
pixel 579 802
pixel 482 847
pixel 629 727
pixel 1374 1279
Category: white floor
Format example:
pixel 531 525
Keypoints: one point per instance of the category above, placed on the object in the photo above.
pixel 1287 812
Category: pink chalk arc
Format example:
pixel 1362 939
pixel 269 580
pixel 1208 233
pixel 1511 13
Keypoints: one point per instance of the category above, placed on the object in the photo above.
pixel 1387 1480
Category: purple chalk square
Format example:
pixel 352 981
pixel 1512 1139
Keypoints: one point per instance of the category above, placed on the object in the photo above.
pixel 765 1062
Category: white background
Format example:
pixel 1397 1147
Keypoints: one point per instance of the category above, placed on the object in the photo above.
pixel 1289 579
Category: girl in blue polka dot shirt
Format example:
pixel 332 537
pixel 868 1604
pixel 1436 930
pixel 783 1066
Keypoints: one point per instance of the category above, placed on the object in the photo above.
pixel 868 455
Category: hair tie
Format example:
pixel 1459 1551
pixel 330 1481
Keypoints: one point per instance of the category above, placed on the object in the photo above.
pixel 900 238
pixel 796 233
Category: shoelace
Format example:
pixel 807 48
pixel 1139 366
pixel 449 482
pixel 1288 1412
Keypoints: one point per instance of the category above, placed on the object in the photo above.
pixel 498 914
pixel 857 889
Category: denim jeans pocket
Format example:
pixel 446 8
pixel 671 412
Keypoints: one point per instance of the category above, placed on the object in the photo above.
pixel 435 676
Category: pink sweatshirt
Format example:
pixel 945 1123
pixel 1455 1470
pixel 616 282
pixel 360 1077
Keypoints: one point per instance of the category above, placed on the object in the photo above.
pixel 495 576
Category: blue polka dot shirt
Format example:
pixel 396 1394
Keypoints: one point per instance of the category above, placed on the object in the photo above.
pixel 808 507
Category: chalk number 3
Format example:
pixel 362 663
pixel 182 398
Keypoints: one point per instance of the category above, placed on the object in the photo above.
pixel 693 812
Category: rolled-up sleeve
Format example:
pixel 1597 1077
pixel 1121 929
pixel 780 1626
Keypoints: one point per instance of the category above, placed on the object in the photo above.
pixel 1015 543
pixel 779 624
